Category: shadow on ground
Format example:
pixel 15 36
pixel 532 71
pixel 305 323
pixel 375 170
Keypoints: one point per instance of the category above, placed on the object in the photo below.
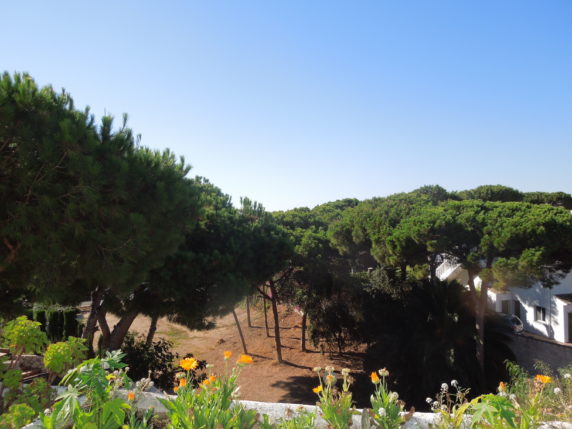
pixel 299 390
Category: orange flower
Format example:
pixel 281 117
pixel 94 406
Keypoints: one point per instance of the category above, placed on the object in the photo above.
pixel 374 377
pixel 212 378
pixel 543 379
pixel 206 382
pixel 244 359
pixel 189 363
pixel 502 386
pixel 182 382
pixel 317 389
pixel 131 396
pixel 176 389
pixel 227 354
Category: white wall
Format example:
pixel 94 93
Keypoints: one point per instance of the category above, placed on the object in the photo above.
pixel 557 311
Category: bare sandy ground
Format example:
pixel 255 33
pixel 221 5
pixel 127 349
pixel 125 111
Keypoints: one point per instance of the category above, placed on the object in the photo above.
pixel 264 380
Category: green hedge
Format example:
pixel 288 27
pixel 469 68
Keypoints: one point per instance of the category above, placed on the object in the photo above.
pixel 58 322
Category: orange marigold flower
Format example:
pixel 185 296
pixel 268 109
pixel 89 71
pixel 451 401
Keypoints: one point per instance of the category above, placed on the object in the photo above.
pixel 502 386
pixel 182 382
pixel 189 363
pixel 543 378
pixel 131 396
pixel 227 354
pixel 317 389
pixel 212 378
pixel 244 359
pixel 206 382
pixel 374 377
pixel 176 389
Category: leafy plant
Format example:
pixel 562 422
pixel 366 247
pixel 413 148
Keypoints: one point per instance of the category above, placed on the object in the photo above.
pixel 20 336
pixel 387 407
pixel 17 416
pixel 63 356
pixel 336 405
pixel 156 360
pixel 98 380
pixel 211 402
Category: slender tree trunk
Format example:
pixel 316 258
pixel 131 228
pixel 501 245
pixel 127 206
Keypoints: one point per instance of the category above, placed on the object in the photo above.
pixel 120 330
pixel 276 324
pixel 480 306
pixel 265 316
pixel 152 330
pixel 303 336
pixel 104 327
pixel 240 332
pixel 89 328
pixel 480 323
pixel 248 311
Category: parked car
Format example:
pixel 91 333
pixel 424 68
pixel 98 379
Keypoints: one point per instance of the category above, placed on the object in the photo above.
pixel 513 323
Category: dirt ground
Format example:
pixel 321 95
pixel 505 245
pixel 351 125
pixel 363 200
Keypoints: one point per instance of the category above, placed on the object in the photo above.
pixel 264 380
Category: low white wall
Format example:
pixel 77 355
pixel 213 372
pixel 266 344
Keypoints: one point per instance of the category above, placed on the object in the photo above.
pixel 277 411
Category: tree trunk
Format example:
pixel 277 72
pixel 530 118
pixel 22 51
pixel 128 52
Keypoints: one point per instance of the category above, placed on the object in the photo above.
pixel 248 311
pixel 239 332
pixel 120 330
pixel 480 306
pixel 303 336
pixel 104 327
pixel 276 324
pixel 152 330
pixel 480 323
pixel 89 328
pixel 265 316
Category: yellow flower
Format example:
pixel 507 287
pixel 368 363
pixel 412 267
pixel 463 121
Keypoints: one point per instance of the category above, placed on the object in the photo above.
pixel 176 389
pixel 189 363
pixel 130 396
pixel 374 377
pixel 244 359
pixel 182 382
pixel 502 386
pixel 111 377
pixel 227 354
pixel 317 389
pixel 543 379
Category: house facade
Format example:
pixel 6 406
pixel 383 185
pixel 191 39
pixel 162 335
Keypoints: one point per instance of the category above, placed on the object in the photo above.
pixel 543 311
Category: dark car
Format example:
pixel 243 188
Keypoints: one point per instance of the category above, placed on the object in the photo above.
pixel 513 323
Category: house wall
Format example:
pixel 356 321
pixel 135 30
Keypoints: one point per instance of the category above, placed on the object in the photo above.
pixel 556 324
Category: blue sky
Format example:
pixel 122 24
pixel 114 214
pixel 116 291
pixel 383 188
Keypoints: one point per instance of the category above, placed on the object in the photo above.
pixel 296 103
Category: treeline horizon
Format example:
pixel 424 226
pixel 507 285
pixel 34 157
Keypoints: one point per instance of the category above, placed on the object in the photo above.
pixel 87 213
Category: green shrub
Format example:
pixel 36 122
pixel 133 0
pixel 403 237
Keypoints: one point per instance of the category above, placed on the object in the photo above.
pixel 63 356
pixel 17 416
pixel 156 361
pixel 22 335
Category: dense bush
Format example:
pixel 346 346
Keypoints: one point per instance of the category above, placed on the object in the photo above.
pixel 157 361
pixel 58 322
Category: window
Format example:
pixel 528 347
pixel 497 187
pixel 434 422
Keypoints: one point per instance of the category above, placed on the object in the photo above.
pixel 540 313
pixel 505 306
pixel 517 308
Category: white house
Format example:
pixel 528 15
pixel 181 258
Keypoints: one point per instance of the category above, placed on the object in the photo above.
pixel 543 311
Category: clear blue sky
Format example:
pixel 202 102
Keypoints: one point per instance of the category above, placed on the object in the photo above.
pixel 295 103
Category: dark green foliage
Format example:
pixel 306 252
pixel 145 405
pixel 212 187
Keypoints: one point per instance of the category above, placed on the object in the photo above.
pixel 157 361
pixel 498 193
pixel 55 325
pixel 426 335
pixel 57 321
